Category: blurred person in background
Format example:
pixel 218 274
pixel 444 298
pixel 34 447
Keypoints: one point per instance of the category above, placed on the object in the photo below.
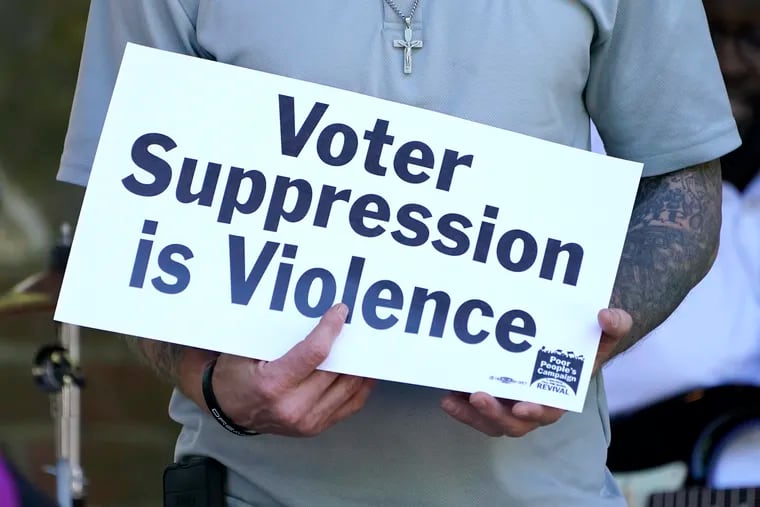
pixel 735 27
pixel 16 490
pixel 713 338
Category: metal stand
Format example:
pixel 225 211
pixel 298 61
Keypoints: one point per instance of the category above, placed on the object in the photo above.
pixel 56 371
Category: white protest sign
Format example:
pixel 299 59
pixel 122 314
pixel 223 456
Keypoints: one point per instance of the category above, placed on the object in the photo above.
pixel 228 209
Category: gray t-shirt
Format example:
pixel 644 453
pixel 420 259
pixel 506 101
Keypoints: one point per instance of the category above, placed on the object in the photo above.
pixel 644 71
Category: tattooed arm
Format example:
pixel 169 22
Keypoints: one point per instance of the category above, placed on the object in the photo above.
pixel 671 245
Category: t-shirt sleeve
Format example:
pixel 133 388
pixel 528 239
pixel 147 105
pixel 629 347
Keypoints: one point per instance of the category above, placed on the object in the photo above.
pixel 162 24
pixel 655 90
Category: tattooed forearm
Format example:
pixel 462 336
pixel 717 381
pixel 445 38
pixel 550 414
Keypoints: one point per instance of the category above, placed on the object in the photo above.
pixel 671 244
pixel 162 357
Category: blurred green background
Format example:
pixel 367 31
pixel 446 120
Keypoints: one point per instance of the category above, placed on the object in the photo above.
pixel 127 436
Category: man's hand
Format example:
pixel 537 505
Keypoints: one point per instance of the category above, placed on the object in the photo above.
pixel 498 418
pixel 289 396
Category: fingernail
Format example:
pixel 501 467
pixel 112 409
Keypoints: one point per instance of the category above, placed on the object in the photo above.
pixel 615 318
pixel 611 316
pixel 479 403
pixel 341 309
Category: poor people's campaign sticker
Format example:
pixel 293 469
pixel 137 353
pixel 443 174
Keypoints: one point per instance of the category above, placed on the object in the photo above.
pixel 557 371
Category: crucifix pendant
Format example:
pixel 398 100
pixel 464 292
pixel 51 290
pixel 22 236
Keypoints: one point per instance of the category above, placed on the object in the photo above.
pixel 407 44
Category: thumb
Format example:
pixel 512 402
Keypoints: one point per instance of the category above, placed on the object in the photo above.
pixel 301 360
pixel 616 324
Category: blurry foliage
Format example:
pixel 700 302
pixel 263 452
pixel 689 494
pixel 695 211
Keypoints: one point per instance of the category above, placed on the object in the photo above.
pixel 40 45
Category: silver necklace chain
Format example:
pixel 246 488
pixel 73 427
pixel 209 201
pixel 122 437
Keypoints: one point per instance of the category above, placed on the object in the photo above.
pixel 392 4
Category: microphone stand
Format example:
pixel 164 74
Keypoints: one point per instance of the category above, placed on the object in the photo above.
pixel 56 371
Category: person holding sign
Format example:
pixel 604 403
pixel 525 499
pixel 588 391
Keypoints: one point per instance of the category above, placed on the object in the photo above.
pixel 542 69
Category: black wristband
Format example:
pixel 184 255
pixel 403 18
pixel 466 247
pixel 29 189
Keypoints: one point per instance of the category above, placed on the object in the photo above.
pixel 216 410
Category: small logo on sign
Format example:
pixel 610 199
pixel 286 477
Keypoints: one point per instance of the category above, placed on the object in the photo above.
pixel 557 371
pixel 507 380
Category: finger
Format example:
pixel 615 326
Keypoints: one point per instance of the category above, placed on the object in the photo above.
pixel 313 387
pixel 354 404
pixel 303 396
pixel 461 410
pixel 306 417
pixel 534 412
pixel 336 395
pixel 502 413
pixel 615 322
pixel 300 361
